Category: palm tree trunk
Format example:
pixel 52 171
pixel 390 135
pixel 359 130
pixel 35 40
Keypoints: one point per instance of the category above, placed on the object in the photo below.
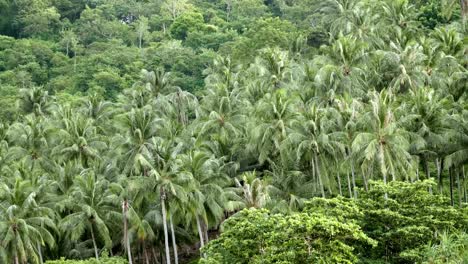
pixel 16 259
pixel 166 236
pixel 140 38
pixel 339 183
pixel 205 230
pixel 459 190
pixel 39 251
pixel 349 185
pixel 126 238
pixel 451 186
pixel 200 233
pixel 74 61
pixel 174 244
pixel 428 173
pixel 145 252
pixel 312 167
pixel 353 177
pixel 464 184
pixel 364 179
pixel 382 167
pixel 322 189
pixel 155 256
pixel 439 175
pixel 94 243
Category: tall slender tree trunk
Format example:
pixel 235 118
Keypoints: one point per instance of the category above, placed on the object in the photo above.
pixel 364 179
pixel 174 243
pixel 319 176
pixel 312 167
pixel 459 189
pixel 353 176
pixel 166 236
pixel 382 167
pixel 39 251
pixel 128 248
pixel 200 234
pixel 339 183
pixel 74 61
pixel 349 185
pixel 94 243
pixel 155 256
pixel 451 186
pixel 205 230
pixel 439 175
pixel 145 252
pixel 428 173
pixel 16 259
pixel 464 185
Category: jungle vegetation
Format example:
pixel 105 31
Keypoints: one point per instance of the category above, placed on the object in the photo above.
pixel 233 131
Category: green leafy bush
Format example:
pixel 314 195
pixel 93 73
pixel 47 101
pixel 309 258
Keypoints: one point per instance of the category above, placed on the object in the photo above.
pixel 402 224
pixel 257 236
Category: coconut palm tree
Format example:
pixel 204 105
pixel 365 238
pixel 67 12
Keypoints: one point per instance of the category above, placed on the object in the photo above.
pixel 92 208
pixel 212 186
pixel 270 126
pixel 315 137
pixel 35 100
pixel 30 142
pixel 78 140
pixel 25 224
pixel 342 67
pixel 140 126
pixel 254 190
pixel 383 142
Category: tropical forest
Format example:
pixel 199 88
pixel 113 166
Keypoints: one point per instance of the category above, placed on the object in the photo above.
pixel 233 131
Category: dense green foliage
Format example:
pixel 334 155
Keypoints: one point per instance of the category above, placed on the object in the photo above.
pixel 254 236
pixel 140 127
pixel 339 229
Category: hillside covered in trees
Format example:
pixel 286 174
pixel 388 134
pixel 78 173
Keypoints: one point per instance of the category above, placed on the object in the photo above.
pixel 233 131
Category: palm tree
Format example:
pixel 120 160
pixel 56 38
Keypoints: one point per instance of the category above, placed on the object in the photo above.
pixel 92 208
pixel 211 185
pixel 349 110
pixel 30 140
pixel 165 177
pixel 154 82
pixel 273 115
pixel 429 124
pixel 315 137
pixel 408 73
pixel 121 193
pixel 98 110
pixel 254 190
pixel 79 140
pixel 383 141
pixel 457 149
pixel 339 15
pixel 141 126
pixel 25 225
pixel 342 66
pixel 34 100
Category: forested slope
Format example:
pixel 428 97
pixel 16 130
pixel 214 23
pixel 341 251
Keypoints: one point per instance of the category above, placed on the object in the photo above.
pixel 299 131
